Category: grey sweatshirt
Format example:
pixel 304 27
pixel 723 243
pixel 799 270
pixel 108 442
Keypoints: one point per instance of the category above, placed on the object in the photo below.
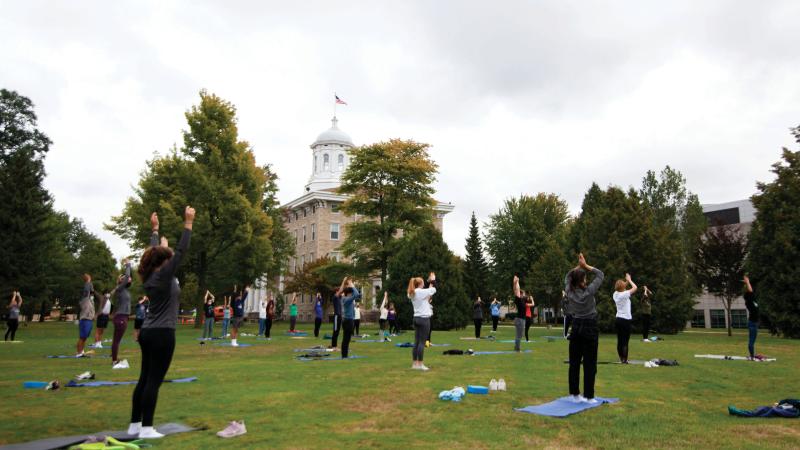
pixel 122 294
pixel 163 288
pixel 580 303
pixel 87 308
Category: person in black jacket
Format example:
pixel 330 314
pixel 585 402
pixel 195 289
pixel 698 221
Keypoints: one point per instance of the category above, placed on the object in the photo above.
pixel 477 316
pixel 752 316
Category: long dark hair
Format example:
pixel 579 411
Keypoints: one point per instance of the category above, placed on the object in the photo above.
pixel 152 259
pixel 577 279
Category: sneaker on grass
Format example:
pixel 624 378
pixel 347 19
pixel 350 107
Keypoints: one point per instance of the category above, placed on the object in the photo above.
pixel 233 429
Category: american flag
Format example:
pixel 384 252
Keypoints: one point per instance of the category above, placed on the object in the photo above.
pixel 339 101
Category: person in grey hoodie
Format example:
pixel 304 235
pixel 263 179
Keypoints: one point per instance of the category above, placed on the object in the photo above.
pixel 583 339
pixel 123 311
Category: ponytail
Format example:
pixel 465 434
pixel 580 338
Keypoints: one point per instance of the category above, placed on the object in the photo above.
pixel 411 287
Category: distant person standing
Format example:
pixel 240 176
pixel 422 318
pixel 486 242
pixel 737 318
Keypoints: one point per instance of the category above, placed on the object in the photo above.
pixel 262 317
pixel 122 311
pixel 583 338
pixel 317 314
pixel 529 304
pixel 13 315
pixel 624 319
pixel 350 295
pixel 102 319
pixel 357 320
pixel 477 316
pixel 208 313
pixel 494 309
pixel 226 315
pixel 86 316
pixel 752 316
pixel 293 314
pixel 337 319
pixel 270 317
pixel 384 315
pixel 421 299
pixel 646 314
pixel 520 300
pixel 392 317
pixel 141 313
pixel 238 315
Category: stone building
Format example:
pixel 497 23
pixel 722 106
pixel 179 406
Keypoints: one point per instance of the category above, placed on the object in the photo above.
pixel 709 311
pixel 315 221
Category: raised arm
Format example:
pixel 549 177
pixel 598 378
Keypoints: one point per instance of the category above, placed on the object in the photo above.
pixel 516 286
pixel 13 299
pixel 633 288
pixel 183 244
pixel 598 275
pixel 154 224
pixel 747 285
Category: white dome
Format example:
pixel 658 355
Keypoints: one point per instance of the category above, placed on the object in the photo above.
pixel 333 135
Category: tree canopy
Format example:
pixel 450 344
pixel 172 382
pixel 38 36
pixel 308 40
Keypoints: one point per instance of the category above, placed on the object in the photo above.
pixel 476 270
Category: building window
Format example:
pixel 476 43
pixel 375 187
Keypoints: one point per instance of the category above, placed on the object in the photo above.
pixel 326 163
pixel 296 241
pixel 293 265
pixel 313 209
pixel 315 163
pixel 739 318
pixel 305 212
pixel 304 234
pixel 313 231
pixel 699 319
pixel 296 216
pixel 335 256
pixel 334 231
pixel 340 161
pixel 334 207
pixel 302 262
pixel 717 318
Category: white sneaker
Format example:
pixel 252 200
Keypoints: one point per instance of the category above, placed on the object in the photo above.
pixel 134 428
pixel 149 433
pixel 122 365
pixel 98 345
pixel 591 401
pixel 645 340
pixel 493 385
pixel 85 376
pixel 234 343
pixel 575 398
pixel 80 355
pixel 424 368
pixel 501 384
pixel 233 429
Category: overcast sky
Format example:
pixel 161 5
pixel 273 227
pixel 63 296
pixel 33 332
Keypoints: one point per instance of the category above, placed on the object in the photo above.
pixel 515 96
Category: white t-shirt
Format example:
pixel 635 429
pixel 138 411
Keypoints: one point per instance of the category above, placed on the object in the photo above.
pixel 358 312
pixel 384 311
pixel 262 312
pixel 623 301
pixel 422 307
pixel 107 307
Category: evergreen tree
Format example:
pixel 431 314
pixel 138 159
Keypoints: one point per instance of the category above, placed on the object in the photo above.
pixel 419 253
pixel 618 234
pixel 476 271
pixel 774 245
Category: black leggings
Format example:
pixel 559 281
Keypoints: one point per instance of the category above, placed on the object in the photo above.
pixel 623 337
pixel 478 323
pixel 292 323
pixel 348 333
pixel 583 342
pixel 317 324
pixel 528 322
pixel 357 325
pixel 267 327
pixel 337 324
pixel 13 324
pixel 393 329
pixel 158 345
pixel 645 326
pixel 495 319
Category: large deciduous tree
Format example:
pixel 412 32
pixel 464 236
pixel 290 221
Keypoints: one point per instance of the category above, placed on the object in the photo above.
pixel 719 264
pixel 476 270
pixel 236 238
pixel 519 235
pixel 774 244
pixel 419 253
pixel 390 184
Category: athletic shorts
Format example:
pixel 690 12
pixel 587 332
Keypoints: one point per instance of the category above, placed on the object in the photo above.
pixel 102 321
pixel 84 328
pixel 237 322
pixel 137 324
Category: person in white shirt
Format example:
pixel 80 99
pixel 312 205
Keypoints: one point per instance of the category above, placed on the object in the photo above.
pixel 622 298
pixel 262 317
pixel 357 320
pixel 102 319
pixel 384 315
pixel 420 297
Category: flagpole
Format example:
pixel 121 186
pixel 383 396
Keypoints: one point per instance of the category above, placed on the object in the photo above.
pixel 334 104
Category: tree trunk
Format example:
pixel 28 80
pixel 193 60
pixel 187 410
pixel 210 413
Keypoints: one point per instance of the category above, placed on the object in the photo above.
pixel 728 313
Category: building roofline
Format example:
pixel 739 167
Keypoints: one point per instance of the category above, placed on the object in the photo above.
pixel 332 196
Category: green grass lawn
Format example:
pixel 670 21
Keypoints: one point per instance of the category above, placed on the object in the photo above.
pixel 379 402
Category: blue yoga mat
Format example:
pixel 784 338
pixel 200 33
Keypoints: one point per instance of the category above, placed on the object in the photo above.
pixel 511 341
pixel 228 344
pixel 74 383
pixel 330 358
pixel 371 341
pixel 299 333
pixel 77 357
pixel 562 407
pixel 502 352
pixel 216 338
pixel 404 344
